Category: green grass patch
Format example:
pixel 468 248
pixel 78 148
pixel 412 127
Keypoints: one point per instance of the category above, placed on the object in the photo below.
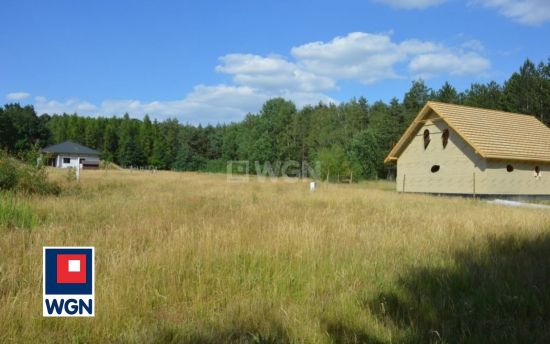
pixel 15 213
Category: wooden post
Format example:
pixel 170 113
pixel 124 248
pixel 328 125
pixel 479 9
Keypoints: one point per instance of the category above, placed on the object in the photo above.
pixel 351 178
pixel 77 168
pixel 404 176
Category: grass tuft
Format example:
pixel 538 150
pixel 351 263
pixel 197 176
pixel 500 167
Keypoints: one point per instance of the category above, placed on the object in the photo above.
pixel 15 213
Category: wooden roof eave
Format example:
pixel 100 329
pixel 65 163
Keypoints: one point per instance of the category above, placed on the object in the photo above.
pixel 393 154
pixel 511 159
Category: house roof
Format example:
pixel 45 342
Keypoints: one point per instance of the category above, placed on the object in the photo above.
pixel 492 134
pixel 69 147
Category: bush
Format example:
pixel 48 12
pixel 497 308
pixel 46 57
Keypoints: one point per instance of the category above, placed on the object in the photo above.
pixel 25 178
pixel 15 213
pixel 71 174
pixel 35 181
pixel 8 174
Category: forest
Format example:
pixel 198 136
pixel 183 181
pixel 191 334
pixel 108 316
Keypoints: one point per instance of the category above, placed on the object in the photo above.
pixel 350 138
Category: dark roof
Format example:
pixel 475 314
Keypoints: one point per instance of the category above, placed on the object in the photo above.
pixel 69 147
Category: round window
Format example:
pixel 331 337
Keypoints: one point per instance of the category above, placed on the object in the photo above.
pixel 435 168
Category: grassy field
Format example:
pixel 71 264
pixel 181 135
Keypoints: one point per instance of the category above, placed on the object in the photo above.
pixel 192 258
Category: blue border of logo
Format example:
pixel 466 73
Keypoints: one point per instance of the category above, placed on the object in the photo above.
pixel 54 288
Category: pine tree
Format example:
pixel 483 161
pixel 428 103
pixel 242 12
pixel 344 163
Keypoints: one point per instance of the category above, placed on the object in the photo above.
pixel 417 96
pixel 366 153
pixel 146 137
pixel 110 141
pixel 447 94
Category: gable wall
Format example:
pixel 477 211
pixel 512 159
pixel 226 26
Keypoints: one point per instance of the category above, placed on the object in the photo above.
pixel 457 162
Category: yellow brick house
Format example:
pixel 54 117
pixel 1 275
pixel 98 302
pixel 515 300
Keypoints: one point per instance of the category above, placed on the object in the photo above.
pixel 453 149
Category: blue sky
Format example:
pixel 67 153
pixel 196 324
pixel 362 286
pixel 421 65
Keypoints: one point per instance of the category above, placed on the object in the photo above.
pixel 214 61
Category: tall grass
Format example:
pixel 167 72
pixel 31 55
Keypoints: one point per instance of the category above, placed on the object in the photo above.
pixel 16 213
pixel 193 258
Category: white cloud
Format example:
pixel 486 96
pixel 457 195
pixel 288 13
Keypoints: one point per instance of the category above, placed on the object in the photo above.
pixel 272 73
pixel 306 77
pixel 360 56
pixel 43 105
pixel 204 104
pixel 369 58
pixel 530 12
pixel 17 95
pixel 429 65
pixel 411 4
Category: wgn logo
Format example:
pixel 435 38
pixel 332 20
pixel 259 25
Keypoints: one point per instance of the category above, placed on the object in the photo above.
pixel 68 282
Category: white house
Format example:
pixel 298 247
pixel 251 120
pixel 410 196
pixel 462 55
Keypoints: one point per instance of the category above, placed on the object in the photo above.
pixel 70 154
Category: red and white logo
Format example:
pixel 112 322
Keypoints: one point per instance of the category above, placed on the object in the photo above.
pixel 71 268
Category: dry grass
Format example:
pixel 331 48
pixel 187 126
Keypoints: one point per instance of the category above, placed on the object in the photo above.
pixel 188 257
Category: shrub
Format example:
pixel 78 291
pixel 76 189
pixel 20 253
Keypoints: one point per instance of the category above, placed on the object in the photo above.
pixel 25 178
pixel 35 181
pixel 71 174
pixel 8 173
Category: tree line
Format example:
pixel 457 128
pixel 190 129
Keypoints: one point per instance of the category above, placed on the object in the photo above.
pixel 351 138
